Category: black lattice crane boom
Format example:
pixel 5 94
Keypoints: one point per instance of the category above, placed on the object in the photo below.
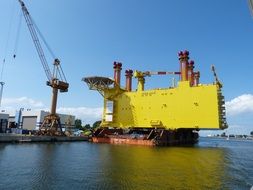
pixel 56 79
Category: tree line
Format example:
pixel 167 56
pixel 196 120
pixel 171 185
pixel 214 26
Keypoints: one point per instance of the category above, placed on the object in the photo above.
pixel 80 126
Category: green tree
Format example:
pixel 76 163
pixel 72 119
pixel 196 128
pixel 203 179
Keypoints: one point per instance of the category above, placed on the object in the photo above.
pixel 78 123
pixel 251 133
pixel 87 126
pixel 96 124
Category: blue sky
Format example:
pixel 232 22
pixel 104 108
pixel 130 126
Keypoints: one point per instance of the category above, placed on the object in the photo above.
pixel 88 35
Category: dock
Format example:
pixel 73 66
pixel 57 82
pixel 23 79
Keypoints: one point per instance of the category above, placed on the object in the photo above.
pixel 14 138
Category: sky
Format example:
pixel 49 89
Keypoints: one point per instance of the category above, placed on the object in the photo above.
pixel 88 35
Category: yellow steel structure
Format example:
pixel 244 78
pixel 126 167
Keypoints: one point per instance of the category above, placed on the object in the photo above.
pixel 189 105
pixel 185 106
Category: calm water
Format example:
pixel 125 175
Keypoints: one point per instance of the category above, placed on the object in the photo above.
pixel 212 164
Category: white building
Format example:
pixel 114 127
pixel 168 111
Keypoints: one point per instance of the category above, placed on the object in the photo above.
pixel 32 120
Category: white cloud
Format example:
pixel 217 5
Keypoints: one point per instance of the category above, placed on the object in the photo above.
pixel 25 102
pixel 240 104
pixel 86 114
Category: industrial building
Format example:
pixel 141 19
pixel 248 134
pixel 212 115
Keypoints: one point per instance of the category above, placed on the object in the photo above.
pixel 3 122
pixel 32 120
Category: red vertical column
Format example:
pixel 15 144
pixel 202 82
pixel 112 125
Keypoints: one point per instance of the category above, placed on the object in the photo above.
pixel 129 75
pixel 183 59
pixel 196 78
pixel 191 73
pixel 117 72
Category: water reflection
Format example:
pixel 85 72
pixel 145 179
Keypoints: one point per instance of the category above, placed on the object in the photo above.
pixel 164 168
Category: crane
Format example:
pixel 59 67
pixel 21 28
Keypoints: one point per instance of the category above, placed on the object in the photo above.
pixel 56 79
pixel 141 76
pixel 217 81
pixel 149 73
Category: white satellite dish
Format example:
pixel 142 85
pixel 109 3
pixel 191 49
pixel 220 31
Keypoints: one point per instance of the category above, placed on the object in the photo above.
pixel 251 7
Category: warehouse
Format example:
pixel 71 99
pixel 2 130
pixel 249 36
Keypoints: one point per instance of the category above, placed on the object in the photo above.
pixel 32 120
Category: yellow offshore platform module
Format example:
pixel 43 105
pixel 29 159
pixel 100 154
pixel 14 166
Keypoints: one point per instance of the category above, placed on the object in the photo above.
pixel 158 116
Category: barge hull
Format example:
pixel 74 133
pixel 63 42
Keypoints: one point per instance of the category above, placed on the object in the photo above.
pixel 119 140
pixel 154 137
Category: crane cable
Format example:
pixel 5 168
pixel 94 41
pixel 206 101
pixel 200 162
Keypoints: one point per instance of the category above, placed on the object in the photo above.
pixel 17 35
pixel 7 41
pixel 59 68
pixel 64 78
pixel 43 39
